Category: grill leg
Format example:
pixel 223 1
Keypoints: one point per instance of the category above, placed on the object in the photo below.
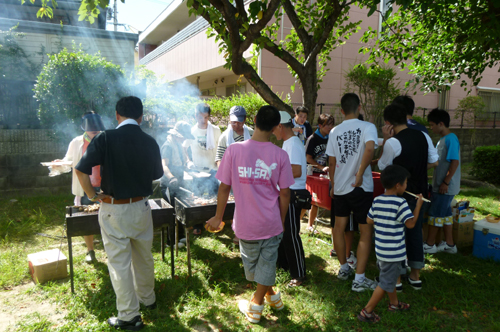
pixel 176 238
pixel 70 252
pixel 172 266
pixel 162 243
pixel 188 248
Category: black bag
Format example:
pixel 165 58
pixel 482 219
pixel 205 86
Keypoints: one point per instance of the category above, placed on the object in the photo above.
pixel 302 198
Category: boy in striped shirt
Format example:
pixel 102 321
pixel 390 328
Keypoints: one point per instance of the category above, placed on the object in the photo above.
pixel 390 214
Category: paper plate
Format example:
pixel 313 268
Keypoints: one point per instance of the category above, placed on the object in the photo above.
pixel 221 227
pixel 57 163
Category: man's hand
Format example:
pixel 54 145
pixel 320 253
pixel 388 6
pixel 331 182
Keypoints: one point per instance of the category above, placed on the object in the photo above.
pixel 443 188
pixel 173 184
pixel 214 223
pixel 331 192
pixel 387 131
pixel 420 200
pixel 297 130
pixel 359 180
pixel 190 165
pixel 325 169
pixel 100 197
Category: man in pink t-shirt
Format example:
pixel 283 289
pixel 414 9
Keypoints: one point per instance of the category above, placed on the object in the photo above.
pixel 254 170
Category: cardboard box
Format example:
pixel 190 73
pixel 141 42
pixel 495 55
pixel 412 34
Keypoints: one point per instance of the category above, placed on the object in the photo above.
pixel 487 240
pixel 463 234
pixel 464 215
pixel 47 265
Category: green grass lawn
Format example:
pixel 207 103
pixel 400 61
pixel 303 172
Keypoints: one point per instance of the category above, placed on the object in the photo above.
pixel 460 292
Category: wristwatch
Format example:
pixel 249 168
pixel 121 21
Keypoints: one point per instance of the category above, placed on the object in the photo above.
pixel 93 199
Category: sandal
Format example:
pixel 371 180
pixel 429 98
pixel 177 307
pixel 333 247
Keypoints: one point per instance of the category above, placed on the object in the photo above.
pixel 197 231
pixel 364 316
pixel 296 282
pixel 312 230
pixel 400 307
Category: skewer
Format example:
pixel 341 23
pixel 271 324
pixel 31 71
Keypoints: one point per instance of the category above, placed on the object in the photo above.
pixel 412 194
pixel 186 191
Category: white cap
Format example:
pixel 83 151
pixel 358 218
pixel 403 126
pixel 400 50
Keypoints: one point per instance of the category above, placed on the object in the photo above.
pixel 285 117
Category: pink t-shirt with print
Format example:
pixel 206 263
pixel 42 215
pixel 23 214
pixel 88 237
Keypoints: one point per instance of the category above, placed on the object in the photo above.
pixel 254 170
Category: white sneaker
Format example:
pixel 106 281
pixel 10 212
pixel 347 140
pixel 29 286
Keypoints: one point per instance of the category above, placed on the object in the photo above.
pixel 441 245
pixel 352 260
pixel 448 249
pixel 252 311
pixel 430 249
pixel 344 274
pixel 365 284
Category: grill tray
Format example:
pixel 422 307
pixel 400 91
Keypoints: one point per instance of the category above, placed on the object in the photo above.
pixel 190 215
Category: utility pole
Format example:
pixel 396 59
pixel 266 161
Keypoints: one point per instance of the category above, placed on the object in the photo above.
pixel 115 14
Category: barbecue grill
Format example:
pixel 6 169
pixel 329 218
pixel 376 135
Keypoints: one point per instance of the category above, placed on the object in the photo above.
pixel 79 223
pixel 189 213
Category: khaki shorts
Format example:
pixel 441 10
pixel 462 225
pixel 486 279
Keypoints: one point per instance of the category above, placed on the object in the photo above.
pixel 259 259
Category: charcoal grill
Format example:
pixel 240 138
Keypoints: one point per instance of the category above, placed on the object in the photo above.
pixel 80 223
pixel 189 214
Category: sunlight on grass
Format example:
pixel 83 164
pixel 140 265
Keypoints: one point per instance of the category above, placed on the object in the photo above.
pixel 458 291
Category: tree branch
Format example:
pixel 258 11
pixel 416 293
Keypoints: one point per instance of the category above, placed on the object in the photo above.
pixel 297 24
pixel 326 24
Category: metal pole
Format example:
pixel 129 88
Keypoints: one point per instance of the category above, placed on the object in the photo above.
pixel 115 18
pixel 462 122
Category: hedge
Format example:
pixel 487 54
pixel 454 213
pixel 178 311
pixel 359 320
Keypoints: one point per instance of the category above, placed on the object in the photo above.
pixel 486 163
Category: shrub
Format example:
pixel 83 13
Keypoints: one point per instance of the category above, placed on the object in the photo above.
pixel 72 83
pixel 486 163
pixel 220 107
pixel 376 87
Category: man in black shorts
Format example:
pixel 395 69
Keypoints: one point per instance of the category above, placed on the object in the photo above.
pixel 351 227
pixel 350 149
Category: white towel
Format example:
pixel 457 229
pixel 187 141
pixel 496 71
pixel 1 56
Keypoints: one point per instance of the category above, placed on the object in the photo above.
pixel 230 138
pixel 210 136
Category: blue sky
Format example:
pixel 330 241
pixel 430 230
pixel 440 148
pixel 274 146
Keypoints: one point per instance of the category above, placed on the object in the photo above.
pixel 138 13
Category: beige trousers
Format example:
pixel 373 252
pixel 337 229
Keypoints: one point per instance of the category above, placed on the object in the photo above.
pixel 127 234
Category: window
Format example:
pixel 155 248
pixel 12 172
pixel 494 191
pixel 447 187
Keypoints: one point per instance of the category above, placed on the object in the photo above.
pixel 207 92
pixel 491 98
pixel 444 98
pixel 234 89
pixel 385 5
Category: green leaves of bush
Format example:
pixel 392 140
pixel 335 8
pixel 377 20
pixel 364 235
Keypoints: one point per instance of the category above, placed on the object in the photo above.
pixel 486 163
pixel 72 83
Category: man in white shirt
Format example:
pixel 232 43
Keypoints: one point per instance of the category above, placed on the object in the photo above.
pixel 350 149
pixel 204 148
pixel 291 252
pixel 206 137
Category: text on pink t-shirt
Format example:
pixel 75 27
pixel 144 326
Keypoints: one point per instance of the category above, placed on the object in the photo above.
pixel 255 170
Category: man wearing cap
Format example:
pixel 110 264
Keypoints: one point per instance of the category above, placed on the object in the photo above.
pixel 92 125
pixel 236 132
pixel 130 161
pixel 291 252
pixel 175 160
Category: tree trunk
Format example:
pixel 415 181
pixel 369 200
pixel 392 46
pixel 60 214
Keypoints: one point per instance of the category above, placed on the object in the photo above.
pixel 310 90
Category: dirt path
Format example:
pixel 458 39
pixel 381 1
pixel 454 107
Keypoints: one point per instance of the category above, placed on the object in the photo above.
pixel 17 302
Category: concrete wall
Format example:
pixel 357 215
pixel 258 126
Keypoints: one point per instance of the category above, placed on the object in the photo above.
pixel 21 152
